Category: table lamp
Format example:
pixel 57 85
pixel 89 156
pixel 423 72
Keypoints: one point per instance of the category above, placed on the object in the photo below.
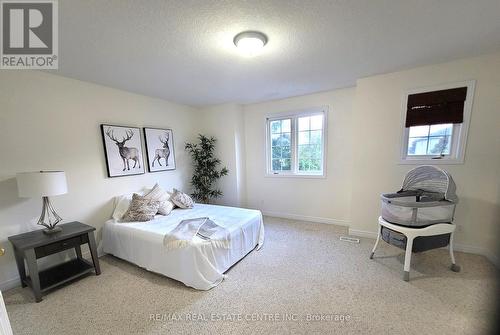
pixel 43 184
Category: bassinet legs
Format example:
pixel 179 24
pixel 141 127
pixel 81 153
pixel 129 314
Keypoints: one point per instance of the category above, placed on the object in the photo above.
pixel 376 242
pixel 454 267
pixel 409 247
pixel 411 234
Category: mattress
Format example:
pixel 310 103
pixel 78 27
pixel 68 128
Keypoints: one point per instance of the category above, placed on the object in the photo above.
pixel 199 265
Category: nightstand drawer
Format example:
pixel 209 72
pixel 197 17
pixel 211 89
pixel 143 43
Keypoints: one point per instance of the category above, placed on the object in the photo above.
pixel 55 247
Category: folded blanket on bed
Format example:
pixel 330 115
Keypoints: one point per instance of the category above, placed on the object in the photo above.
pixel 202 227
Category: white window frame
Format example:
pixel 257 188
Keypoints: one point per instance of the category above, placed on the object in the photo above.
pixel 295 115
pixel 459 136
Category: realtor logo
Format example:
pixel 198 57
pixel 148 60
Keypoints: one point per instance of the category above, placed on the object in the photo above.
pixel 29 37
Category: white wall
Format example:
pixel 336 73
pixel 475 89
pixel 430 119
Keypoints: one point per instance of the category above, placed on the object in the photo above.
pixel 324 200
pixel 376 145
pixel 49 122
pixel 225 122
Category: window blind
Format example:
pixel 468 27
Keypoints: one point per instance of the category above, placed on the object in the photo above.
pixel 437 107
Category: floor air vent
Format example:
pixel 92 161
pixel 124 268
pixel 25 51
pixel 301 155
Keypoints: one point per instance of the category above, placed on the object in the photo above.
pixel 349 239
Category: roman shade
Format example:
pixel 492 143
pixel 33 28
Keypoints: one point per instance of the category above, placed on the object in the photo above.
pixel 436 107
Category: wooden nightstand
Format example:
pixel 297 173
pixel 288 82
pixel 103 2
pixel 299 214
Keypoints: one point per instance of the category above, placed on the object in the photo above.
pixel 36 244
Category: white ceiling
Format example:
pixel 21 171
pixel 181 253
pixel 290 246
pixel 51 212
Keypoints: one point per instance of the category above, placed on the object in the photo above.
pixel 182 51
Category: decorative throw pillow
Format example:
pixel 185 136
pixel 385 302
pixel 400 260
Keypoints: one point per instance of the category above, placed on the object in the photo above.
pixel 159 194
pixel 181 199
pixel 141 209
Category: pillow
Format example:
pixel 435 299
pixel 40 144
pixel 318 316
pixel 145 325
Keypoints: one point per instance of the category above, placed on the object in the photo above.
pixel 141 209
pixel 159 194
pixel 122 203
pixel 181 199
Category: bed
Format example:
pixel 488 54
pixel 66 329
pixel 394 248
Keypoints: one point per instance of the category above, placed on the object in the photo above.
pixel 199 265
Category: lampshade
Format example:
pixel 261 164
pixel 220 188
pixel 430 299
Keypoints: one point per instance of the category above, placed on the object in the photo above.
pixel 41 183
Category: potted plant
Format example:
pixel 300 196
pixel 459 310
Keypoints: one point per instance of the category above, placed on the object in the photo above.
pixel 206 169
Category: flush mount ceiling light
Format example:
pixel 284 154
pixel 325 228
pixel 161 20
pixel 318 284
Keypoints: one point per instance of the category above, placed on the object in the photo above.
pixel 250 42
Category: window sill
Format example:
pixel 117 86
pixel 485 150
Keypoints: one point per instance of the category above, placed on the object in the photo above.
pixel 305 176
pixel 430 161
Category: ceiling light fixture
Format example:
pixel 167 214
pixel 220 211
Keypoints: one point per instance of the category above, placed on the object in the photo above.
pixel 250 42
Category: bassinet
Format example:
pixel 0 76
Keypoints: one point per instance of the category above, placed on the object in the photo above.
pixel 419 217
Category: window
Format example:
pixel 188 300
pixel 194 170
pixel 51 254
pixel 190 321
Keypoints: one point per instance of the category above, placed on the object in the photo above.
pixel 281 142
pixel 432 140
pixel 436 123
pixel 296 144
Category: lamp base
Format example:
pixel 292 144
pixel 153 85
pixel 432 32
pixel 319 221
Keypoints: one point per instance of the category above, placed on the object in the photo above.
pixel 49 218
pixel 54 230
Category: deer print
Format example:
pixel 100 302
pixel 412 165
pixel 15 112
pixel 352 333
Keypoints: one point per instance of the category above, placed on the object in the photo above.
pixel 162 153
pixel 125 152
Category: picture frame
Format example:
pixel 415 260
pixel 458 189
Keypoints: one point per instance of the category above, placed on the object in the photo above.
pixel 160 150
pixel 122 150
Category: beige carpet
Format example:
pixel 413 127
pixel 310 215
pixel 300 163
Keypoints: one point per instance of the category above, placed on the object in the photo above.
pixel 303 272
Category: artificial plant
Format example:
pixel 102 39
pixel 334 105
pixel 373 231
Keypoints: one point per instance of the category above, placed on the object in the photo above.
pixel 206 169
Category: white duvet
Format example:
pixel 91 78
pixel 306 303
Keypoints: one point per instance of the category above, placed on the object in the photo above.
pixel 199 265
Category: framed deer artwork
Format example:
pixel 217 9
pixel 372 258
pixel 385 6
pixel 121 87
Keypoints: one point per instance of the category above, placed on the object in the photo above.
pixel 159 149
pixel 123 150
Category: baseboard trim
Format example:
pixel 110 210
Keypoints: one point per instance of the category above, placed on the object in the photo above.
pixel 16 281
pixel 471 249
pixel 10 283
pixel 314 219
pixel 493 258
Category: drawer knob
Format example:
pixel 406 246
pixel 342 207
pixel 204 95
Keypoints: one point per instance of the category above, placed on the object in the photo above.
pixel 2 251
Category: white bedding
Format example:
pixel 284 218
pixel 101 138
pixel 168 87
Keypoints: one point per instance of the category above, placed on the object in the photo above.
pixel 199 265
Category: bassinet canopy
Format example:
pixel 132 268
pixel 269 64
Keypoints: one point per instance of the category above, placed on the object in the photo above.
pixel 431 179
